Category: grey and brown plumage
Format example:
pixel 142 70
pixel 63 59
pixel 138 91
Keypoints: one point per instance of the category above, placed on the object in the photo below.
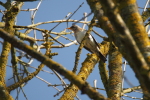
pixel 90 43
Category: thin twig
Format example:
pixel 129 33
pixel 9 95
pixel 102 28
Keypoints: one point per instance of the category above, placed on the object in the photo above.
pixel 59 22
pixel 82 18
pixel 75 11
pixel 46 82
pixel 99 35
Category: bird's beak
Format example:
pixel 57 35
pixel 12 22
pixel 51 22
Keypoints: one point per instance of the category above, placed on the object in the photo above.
pixel 68 28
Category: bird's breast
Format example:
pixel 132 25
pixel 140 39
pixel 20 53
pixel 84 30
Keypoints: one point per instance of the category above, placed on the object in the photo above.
pixel 79 36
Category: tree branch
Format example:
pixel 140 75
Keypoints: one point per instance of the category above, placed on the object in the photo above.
pixel 83 86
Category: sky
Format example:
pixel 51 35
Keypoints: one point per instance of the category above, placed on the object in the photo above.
pixel 50 10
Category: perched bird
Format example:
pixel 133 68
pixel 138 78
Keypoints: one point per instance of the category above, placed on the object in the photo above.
pixel 90 43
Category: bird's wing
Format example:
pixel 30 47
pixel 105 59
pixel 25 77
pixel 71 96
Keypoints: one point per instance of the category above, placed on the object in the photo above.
pixel 87 49
pixel 90 45
pixel 98 47
pixel 94 41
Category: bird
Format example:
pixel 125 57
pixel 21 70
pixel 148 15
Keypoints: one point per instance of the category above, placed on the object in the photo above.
pixel 90 43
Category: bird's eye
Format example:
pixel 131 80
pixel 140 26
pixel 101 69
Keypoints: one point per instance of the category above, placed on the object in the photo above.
pixel 72 27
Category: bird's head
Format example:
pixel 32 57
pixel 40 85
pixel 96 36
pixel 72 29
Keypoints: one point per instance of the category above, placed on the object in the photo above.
pixel 74 28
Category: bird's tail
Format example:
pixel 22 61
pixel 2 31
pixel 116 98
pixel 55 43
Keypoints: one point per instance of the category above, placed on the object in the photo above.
pixel 102 57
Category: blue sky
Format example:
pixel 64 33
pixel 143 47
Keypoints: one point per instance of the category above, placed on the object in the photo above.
pixel 56 10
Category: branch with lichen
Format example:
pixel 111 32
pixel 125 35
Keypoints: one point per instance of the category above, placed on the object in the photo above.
pixel 115 73
pixel 31 75
pixel 82 85
pixel 133 20
pixel 104 47
pixel 128 90
pixel 87 68
pixel 24 37
pixel 26 79
pixel 118 32
pixel 127 37
pixel 10 16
